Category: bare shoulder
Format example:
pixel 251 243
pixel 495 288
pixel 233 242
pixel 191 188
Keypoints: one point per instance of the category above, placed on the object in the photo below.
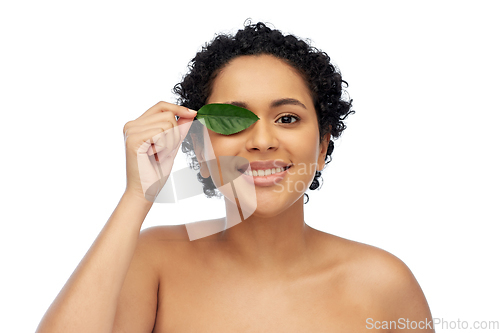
pixel 137 303
pixel 164 232
pixel 138 300
pixel 365 259
pixel 381 280
pixel 155 242
pixel 177 235
pixel 169 246
pixel 377 265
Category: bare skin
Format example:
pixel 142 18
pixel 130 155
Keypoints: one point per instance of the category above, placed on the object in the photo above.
pixel 272 272
pixel 337 286
pixel 269 273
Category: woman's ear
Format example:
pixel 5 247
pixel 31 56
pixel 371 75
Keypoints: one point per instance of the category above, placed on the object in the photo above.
pixel 198 150
pixel 323 150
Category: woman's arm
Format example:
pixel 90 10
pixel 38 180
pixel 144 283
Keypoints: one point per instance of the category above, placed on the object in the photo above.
pixel 137 303
pixel 88 301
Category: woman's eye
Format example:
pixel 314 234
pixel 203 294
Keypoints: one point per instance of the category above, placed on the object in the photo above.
pixel 288 119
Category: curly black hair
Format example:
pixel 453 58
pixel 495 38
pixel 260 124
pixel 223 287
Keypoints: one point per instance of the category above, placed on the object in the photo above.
pixel 323 79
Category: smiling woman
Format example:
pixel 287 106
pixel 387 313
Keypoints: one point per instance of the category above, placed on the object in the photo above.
pixel 324 81
pixel 274 91
pixel 270 273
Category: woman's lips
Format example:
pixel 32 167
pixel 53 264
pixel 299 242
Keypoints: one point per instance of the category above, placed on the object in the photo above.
pixel 268 180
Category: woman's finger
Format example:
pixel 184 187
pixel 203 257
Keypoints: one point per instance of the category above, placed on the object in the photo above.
pixel 178 110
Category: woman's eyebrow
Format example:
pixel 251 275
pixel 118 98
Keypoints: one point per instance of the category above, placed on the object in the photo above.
pixel 287 101
pixel 274 104
pixel 237 103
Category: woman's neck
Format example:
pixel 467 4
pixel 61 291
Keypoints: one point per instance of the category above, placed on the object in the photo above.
pixel 267 241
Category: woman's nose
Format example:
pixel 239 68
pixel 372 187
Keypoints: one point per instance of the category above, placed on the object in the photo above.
pixel 261 136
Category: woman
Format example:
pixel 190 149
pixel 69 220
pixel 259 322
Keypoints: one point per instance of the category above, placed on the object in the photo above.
pixel 269 273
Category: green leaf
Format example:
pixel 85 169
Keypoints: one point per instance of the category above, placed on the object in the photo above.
pixel 226 118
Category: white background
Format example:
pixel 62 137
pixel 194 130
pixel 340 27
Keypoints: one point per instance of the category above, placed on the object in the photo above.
pixel 415 173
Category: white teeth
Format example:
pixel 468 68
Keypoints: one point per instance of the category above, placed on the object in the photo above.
pixel 261 173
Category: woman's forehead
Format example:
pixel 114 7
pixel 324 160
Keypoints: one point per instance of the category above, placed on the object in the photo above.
pixel 261 78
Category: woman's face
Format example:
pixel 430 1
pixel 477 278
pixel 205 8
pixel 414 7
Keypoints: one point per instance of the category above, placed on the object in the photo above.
pixel 287 130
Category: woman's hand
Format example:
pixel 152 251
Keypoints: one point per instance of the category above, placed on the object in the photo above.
pixel 89 300
pixel 151 143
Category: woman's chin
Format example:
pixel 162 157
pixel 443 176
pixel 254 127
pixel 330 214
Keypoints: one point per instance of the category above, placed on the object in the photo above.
pixel 270 206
